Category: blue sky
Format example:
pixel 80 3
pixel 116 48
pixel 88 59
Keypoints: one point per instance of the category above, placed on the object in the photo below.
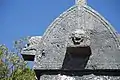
pixel 21 18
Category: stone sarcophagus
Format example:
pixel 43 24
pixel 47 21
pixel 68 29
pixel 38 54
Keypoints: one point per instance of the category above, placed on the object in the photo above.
pixel 79 45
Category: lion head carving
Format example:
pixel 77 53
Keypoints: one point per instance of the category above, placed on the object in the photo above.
pixel 80 38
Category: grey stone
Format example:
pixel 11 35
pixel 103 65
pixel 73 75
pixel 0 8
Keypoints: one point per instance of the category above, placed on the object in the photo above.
pixel 79 39
pixel 30 50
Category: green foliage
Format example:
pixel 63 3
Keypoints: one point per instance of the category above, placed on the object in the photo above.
pixel 23 74
pixel 13 67
pixel 3 68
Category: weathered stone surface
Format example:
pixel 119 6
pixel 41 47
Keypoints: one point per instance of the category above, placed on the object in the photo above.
pixel 56 77
pixel 32 43
pixel 85 77
pixel 30 50
pixel 79 39
pixel 104 43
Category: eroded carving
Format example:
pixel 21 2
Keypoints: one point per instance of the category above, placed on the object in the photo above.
pixel 30 48
pixel 79 37
pixel 32 42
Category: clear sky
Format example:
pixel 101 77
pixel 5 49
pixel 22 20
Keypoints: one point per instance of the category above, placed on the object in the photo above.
pixel 21 18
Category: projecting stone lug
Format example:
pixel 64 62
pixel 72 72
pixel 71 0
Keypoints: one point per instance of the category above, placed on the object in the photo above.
pixel 28 57
pixel 30 50
pixel 28 54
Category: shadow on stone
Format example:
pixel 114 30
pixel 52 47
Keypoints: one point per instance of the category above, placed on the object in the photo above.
pixel 76 58
pixel 97 72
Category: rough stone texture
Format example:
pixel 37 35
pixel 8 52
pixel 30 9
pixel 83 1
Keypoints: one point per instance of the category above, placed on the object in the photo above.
pixel 31 49
pixel 57 77
pixel 85 77
pixel 78 38
pixel 103 42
